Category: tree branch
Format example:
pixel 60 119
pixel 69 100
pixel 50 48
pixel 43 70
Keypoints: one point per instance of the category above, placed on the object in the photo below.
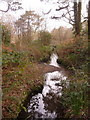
pixel 54 17
pixel 47 12
pixel 13 6
pixel 7 9
pixel 70 22
pixel 60 8
pixel 70 15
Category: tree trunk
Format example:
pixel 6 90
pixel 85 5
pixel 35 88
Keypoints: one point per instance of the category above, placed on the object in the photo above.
pixel 89 20
pixel 88 57
pixel 77 17
pixel 29 35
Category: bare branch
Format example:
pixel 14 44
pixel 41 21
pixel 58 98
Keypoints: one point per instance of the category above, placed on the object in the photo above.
pixel 12 6
pixel 70 15
pixel 15 6
pixel 69 20
pixel 64 15
pixel 54 17
pixel 7 9
pixel 85 18
pixel 60 8
pixel 47 12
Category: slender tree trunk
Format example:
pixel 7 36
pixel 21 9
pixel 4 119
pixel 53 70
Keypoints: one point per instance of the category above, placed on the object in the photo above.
pixel 88 57
pixel 77 17
pixel 89 20
pixel 29 34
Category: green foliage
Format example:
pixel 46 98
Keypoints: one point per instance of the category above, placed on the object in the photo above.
pixel 74 56
pixel 20 76
pixel 21 58
pixel 45 38
pixel 46 53
pixel 39 53
pixel 6 35
pixel 75 99
pixel 13 58
pixel 22 107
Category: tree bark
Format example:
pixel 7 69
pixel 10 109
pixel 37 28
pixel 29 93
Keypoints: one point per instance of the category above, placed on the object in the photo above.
pixel 88 57
pixel 77 17
pixel 89 20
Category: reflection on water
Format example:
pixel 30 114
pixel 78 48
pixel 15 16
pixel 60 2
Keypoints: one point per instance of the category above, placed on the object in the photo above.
pixel 47 104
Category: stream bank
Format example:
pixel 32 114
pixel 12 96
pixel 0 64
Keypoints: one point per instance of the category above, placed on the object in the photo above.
pixel 46 104
pixel 18 82
pixel 16 86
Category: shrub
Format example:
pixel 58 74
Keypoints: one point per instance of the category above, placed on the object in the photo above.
pixel 74 54
pixel 75 99
pixel 45 38
pixel 12 58
pixel 39 53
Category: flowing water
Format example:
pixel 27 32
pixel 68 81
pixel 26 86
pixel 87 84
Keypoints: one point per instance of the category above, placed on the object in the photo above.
pixel 47 103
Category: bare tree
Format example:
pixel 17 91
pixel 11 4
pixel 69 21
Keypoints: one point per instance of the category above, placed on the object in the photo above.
pixel 61 34
pixel 71 14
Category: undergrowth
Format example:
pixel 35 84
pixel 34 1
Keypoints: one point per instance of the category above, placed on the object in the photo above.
pixel 21 74
pixel 74 56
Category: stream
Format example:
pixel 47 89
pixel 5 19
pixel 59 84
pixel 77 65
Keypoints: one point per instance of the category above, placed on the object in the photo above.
pixel 47 104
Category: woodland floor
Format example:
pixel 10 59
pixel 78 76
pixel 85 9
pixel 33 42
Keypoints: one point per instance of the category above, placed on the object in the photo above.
pixel 18 82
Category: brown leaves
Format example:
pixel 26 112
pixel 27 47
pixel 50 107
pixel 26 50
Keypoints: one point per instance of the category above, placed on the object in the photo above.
pixel 15 88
